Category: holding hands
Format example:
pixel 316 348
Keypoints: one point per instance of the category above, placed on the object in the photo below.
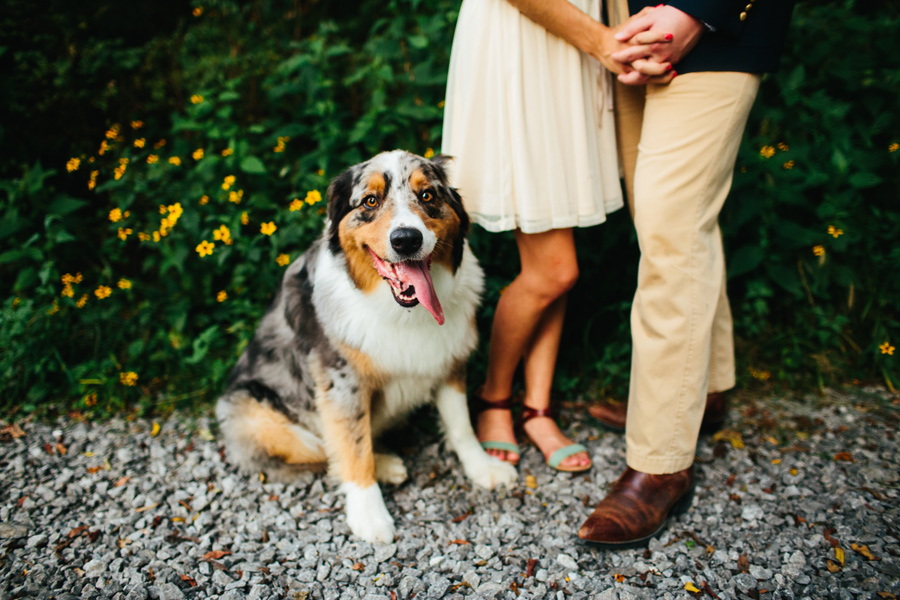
pixel 652 41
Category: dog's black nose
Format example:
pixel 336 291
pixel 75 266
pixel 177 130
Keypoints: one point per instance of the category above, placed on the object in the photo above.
pixel 406 240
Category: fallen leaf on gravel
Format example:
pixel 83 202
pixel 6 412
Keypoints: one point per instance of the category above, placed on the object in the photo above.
pixel 461 517
pixel 832 566
pixel 123 542
pixel 619 577
pixel 122 481
pixel 844 457
pixel 689 586
pixel 300 595
pixel 864 550
pixel 743 563
pixel 78 531
pixel 460 542
pixel 839 554
pixel 530 482
pixel 359 567
pixel 216 554
pixel 529 569
pixel 709 591
pixel 190 580
pixel 206 434
pixel 710 550
pixel 887 595
pixel 13 431
pixel 148 507
pixel 731 436
pixel 155 430
pixel 61 449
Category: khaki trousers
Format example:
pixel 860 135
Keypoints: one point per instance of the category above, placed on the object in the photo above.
pixel 678 144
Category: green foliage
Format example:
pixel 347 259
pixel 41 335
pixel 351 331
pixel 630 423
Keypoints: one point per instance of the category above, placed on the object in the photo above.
pixel 283 96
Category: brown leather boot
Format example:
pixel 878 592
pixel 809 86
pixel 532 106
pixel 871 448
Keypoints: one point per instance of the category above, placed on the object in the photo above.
pixel 612 415
pixel 637 508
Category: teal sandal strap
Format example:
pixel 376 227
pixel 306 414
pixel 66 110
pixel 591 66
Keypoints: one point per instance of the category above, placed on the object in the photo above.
pixel 508 446
pixel 564 453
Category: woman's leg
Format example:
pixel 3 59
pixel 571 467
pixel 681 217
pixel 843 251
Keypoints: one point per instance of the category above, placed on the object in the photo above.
pixel 528 320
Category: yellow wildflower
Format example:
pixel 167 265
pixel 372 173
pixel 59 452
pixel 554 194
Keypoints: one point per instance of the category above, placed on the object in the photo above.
pixel 245 218
pixel 196 99
pixel 296 204
pixel 440 104
pixel 90 399
pixel 93 180
pixel 67 278
pixel 429 153
pixel 197 154
pixel 54 308
pixel 268 228
pixel 124 284
pixel 886 348
pixel 156 236
pixel 205 248
pixel 128 378
pixel 767 151
pixel 174 160
pixel 227 152
pixel 16 301
pixel 152 159
pixel 68 291
pixel 115 215
pixel 175 211
pixel 788 165
pixel 113 132
pixel 198 10
pixel 159 144
pixel 143 236
pixel 835 232
pixel 283 260
pixel 783 147
pixel 139 143
pixel 204 199
pixel 320 172
pixel 78 278
pixel 222 234
pixel 227 182
pixel 103 148
pixel 235 197
pixel 894 147
pixel 119 171
pixel 137 124
pixel 819 250
pixel 222 296
pixel 73 164
pixel 103 292
pixel 163 209
pixel 312 197
pixel 82 301
pixel 124 233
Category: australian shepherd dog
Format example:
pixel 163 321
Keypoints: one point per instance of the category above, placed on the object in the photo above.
pixel 375 319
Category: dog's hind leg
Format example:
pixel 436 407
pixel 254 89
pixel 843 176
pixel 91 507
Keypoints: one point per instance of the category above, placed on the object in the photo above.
pixel 260 438
pixel 484 470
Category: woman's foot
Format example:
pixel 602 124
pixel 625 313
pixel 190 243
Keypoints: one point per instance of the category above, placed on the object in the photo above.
pixel 545 434
pixel 494 427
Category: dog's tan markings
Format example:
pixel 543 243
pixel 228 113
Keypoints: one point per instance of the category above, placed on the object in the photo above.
pixel 362 364
pixel 271 431
pixel 356 234
pixel 457 377
pixel 349 440
pixel 445 226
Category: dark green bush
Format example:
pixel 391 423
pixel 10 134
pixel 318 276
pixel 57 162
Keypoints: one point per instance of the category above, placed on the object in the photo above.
pixel 283 96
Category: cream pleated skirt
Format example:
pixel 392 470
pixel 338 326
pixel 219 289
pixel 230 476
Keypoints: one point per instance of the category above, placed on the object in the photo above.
pixel 528 119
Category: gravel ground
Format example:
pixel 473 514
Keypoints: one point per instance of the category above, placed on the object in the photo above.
pixel 797 499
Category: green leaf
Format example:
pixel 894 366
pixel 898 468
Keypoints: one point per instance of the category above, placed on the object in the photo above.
pixel 744 260
pixel 864 180
pixel 64 205
pixel 251 164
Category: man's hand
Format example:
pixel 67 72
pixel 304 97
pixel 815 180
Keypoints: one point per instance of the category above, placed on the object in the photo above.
pixel 685 30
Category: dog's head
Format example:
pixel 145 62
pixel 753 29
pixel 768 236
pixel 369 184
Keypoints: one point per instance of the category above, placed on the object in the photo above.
pixel 394 217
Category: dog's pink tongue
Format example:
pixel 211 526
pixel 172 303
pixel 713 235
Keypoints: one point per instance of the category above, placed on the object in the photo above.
pixel 418 274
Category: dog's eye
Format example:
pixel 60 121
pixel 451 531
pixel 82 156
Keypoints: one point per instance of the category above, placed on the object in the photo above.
pixel 426 196
pixel 370 202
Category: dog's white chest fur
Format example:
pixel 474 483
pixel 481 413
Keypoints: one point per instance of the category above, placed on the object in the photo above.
pixel 402 342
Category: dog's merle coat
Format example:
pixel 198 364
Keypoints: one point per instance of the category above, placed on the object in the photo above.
pixel 345 350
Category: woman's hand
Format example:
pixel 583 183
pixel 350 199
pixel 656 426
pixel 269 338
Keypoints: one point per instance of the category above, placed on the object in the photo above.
pixel 643 50
pixel 630 37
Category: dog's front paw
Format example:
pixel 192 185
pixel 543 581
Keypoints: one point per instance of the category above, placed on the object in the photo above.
pixel 389 468
pixel 367 516
pixel 490 472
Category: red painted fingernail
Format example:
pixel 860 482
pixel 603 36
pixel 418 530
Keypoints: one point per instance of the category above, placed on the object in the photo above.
pixel 670 37
pixel 668 67
pixel 674 74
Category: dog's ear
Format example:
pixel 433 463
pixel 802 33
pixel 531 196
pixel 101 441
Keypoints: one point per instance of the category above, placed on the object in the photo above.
pixel 338 206
pixel 441 163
